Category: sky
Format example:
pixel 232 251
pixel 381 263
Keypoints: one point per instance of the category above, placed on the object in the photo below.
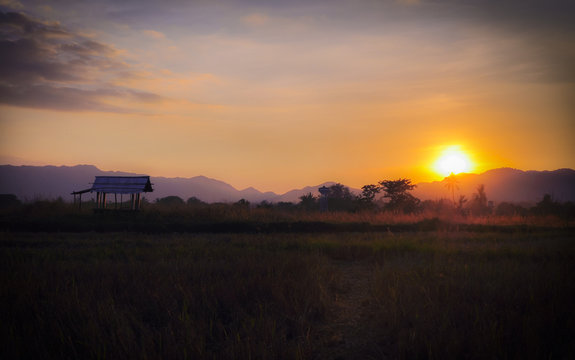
pixel 284 94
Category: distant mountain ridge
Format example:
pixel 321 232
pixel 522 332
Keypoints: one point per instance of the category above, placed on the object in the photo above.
pixel 50 182
pixel 504 184
pixel 507 184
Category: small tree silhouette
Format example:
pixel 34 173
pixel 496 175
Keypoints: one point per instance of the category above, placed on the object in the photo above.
pixel 450 183
pixel 241 204
pixel 170 201
pixel 399 198
pixel 479 201
pixel 308 201
pixel 194 202
pixel 340 198
pixel 547 206
pixel 368 193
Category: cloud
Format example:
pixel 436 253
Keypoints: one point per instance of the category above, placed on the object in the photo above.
pixel 154 34
pixel 17 24
pixel 255 19
pixel 73 99
pixel 87 48
pixel 12 4
pixel 44 65
pixel 25 61
pixel 546 28
pixel 55 98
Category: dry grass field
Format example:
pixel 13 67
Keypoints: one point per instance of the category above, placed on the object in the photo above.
pixel 359 295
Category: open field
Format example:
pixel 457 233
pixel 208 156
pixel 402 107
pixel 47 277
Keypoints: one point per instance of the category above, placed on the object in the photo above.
pixel 59 216
pixel 433 294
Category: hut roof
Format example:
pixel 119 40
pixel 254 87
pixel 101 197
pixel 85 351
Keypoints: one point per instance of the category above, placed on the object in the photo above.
pixel 122 184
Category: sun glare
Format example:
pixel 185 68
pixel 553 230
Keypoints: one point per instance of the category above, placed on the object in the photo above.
pixel 452 160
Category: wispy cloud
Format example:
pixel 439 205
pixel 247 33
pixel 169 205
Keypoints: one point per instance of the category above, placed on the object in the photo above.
pixel 255 19
pixel 45 65
pixel 12 4
pixel 154 34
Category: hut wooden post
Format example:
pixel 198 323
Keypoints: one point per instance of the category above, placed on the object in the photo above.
pixel 78 199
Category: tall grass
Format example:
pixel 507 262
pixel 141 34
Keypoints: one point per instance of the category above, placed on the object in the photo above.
pixel 434 295
pixel 150 297
pixel 61 216
pixel 477 297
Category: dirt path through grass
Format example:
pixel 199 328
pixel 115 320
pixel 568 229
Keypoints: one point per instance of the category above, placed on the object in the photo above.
pixel 347 332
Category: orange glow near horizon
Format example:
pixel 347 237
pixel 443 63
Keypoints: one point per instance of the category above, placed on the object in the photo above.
pixel 252 93
pixel 453 160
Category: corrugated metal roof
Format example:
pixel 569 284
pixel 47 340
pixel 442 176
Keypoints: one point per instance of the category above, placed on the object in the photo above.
pixel 122 184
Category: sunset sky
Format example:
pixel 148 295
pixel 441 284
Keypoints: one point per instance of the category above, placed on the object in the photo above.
pixel 284 94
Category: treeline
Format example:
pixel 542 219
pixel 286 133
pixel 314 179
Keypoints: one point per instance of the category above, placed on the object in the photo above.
pixel 394 196
pixel 390 196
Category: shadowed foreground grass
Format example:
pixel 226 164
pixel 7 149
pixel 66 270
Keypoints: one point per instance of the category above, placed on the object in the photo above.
pixel 497 298
pixel 433 295
pixel 135 296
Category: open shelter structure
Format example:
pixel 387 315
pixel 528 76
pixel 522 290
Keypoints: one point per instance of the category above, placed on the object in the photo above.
pixel 122 185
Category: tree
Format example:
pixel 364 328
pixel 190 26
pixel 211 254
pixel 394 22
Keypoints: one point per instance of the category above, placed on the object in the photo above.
pixel 510 209
pixel 241 204
pixel 264 204
pixel 399 198
pixel 450 183
pixel 547 206
pixel 478 204
pixel 194 202
pixel 308 202
pixel 462 200
pixel 170 201
pixel 339 191
pixel 340 198
pixel 368 193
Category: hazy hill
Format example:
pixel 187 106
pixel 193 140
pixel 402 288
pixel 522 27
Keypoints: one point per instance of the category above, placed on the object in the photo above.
pixel 507 184
pixel 49 182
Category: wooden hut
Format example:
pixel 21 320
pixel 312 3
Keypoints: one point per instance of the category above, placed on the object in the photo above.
pixel 117 185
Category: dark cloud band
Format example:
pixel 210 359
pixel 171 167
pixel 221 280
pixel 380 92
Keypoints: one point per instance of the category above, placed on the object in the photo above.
pixel 43 65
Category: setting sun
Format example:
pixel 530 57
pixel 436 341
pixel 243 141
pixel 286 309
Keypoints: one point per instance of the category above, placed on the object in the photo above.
pixel 452 160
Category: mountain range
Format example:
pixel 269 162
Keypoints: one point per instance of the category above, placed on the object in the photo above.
pixel 504 184
pixel 50 182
